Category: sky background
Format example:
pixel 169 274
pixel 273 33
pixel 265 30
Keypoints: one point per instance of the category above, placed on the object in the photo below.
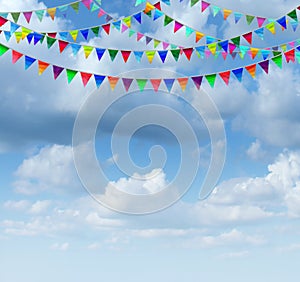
pixel 247 230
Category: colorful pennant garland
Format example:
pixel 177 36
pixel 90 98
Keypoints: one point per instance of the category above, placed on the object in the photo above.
pixel 91 5
pixel 290 56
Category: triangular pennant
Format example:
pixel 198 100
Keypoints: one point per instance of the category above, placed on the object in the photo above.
pixel 113 82
pixel 271 27
pixel 210 39
pixel 253 52
pixel 231 47
pixel 204 5
pixel 238 73
pixel 75 6
pixel 29 37
pixel 290 56
pixel 167 2
pixel 236 40
pixel 169 82
pixel 51 12
pixel 294 24
pixel 50 41
pixel 155 84
pixel 197 81
pixel 283 22
pixel 112 53
pixel 62 45
pixel 224 45
pixel 216 10
pixel 42 66
pixel 139 36
pixel 260 32
pixel 175 53
pixel 71 74
pixel 194 2
pixel 148 40
pixel 149 7
pixel 278 61
pixel 200 51
pixel 15 16
pixel 125 55
pixel 157 14
pixel 99 79
pixel 127 83
pixel 141 83
pixel 106 28
pixel 27 16
pixel 251 69
pixel 237 17
pixel 225 76
pixel 40 14
pixel 212 48
pixel 156 43
pixel 7 35
pixel 293 15
pixel 3 49
pixel 163 55
pixel 18 36
pixel 138 17
pixel 188 31
pixel 2 21
pixel 117 25
pixel 138 2
pixel 52 34
pixel 87 3
pixel 167 20
pixel 265 66
pixel 165 45
pixel 26 31
pixel 37 37
pixel 150 55
pixel 226 13
pixel 63 35
pixel 87 50
pixel 199 36
pixel 28 62
pixel 265 53
pixel 183 82
pixel 248 37
pixel 177 26
pixel 16 56
pixel 57 71
pixel 101 13
pixel 260 21
pixel 13 27
pixel 249 19
pixel 138 55
pixel 211 78
pixel 157 5
pixel 188 52
pixel 95 7
pixel 85 77
pixel 127 21
pixel 85 33
pixel 95 30
pixel 124 28
pixel 74 34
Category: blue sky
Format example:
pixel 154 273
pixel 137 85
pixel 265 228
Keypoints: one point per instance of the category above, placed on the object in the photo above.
pixel 50 226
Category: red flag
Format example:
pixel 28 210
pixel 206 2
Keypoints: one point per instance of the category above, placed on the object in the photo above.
pixel 85 77
pixel 16 56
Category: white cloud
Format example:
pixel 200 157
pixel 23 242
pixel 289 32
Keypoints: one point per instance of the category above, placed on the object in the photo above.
pixel 255 151
pixel 40 207
pixel 52 170
pixel 17 205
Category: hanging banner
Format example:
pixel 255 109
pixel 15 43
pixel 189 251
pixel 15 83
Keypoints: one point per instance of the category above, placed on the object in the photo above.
pixel 215 49
pixel 197 80
pixel 91 5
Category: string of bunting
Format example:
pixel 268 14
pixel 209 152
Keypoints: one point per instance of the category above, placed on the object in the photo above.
pixel 156 83
pixel 202 52
pixel 227 13
pixel 91 5
pixel 211 42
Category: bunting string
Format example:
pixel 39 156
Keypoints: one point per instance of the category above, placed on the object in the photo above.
pixel 227 13
pixel 154 12
pixel 201 52
pixel 290 56
pixel 91 5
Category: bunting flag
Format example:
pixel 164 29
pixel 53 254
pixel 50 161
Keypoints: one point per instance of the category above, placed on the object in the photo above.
pixel 277 59
pixel 222 47
pixel 91 5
